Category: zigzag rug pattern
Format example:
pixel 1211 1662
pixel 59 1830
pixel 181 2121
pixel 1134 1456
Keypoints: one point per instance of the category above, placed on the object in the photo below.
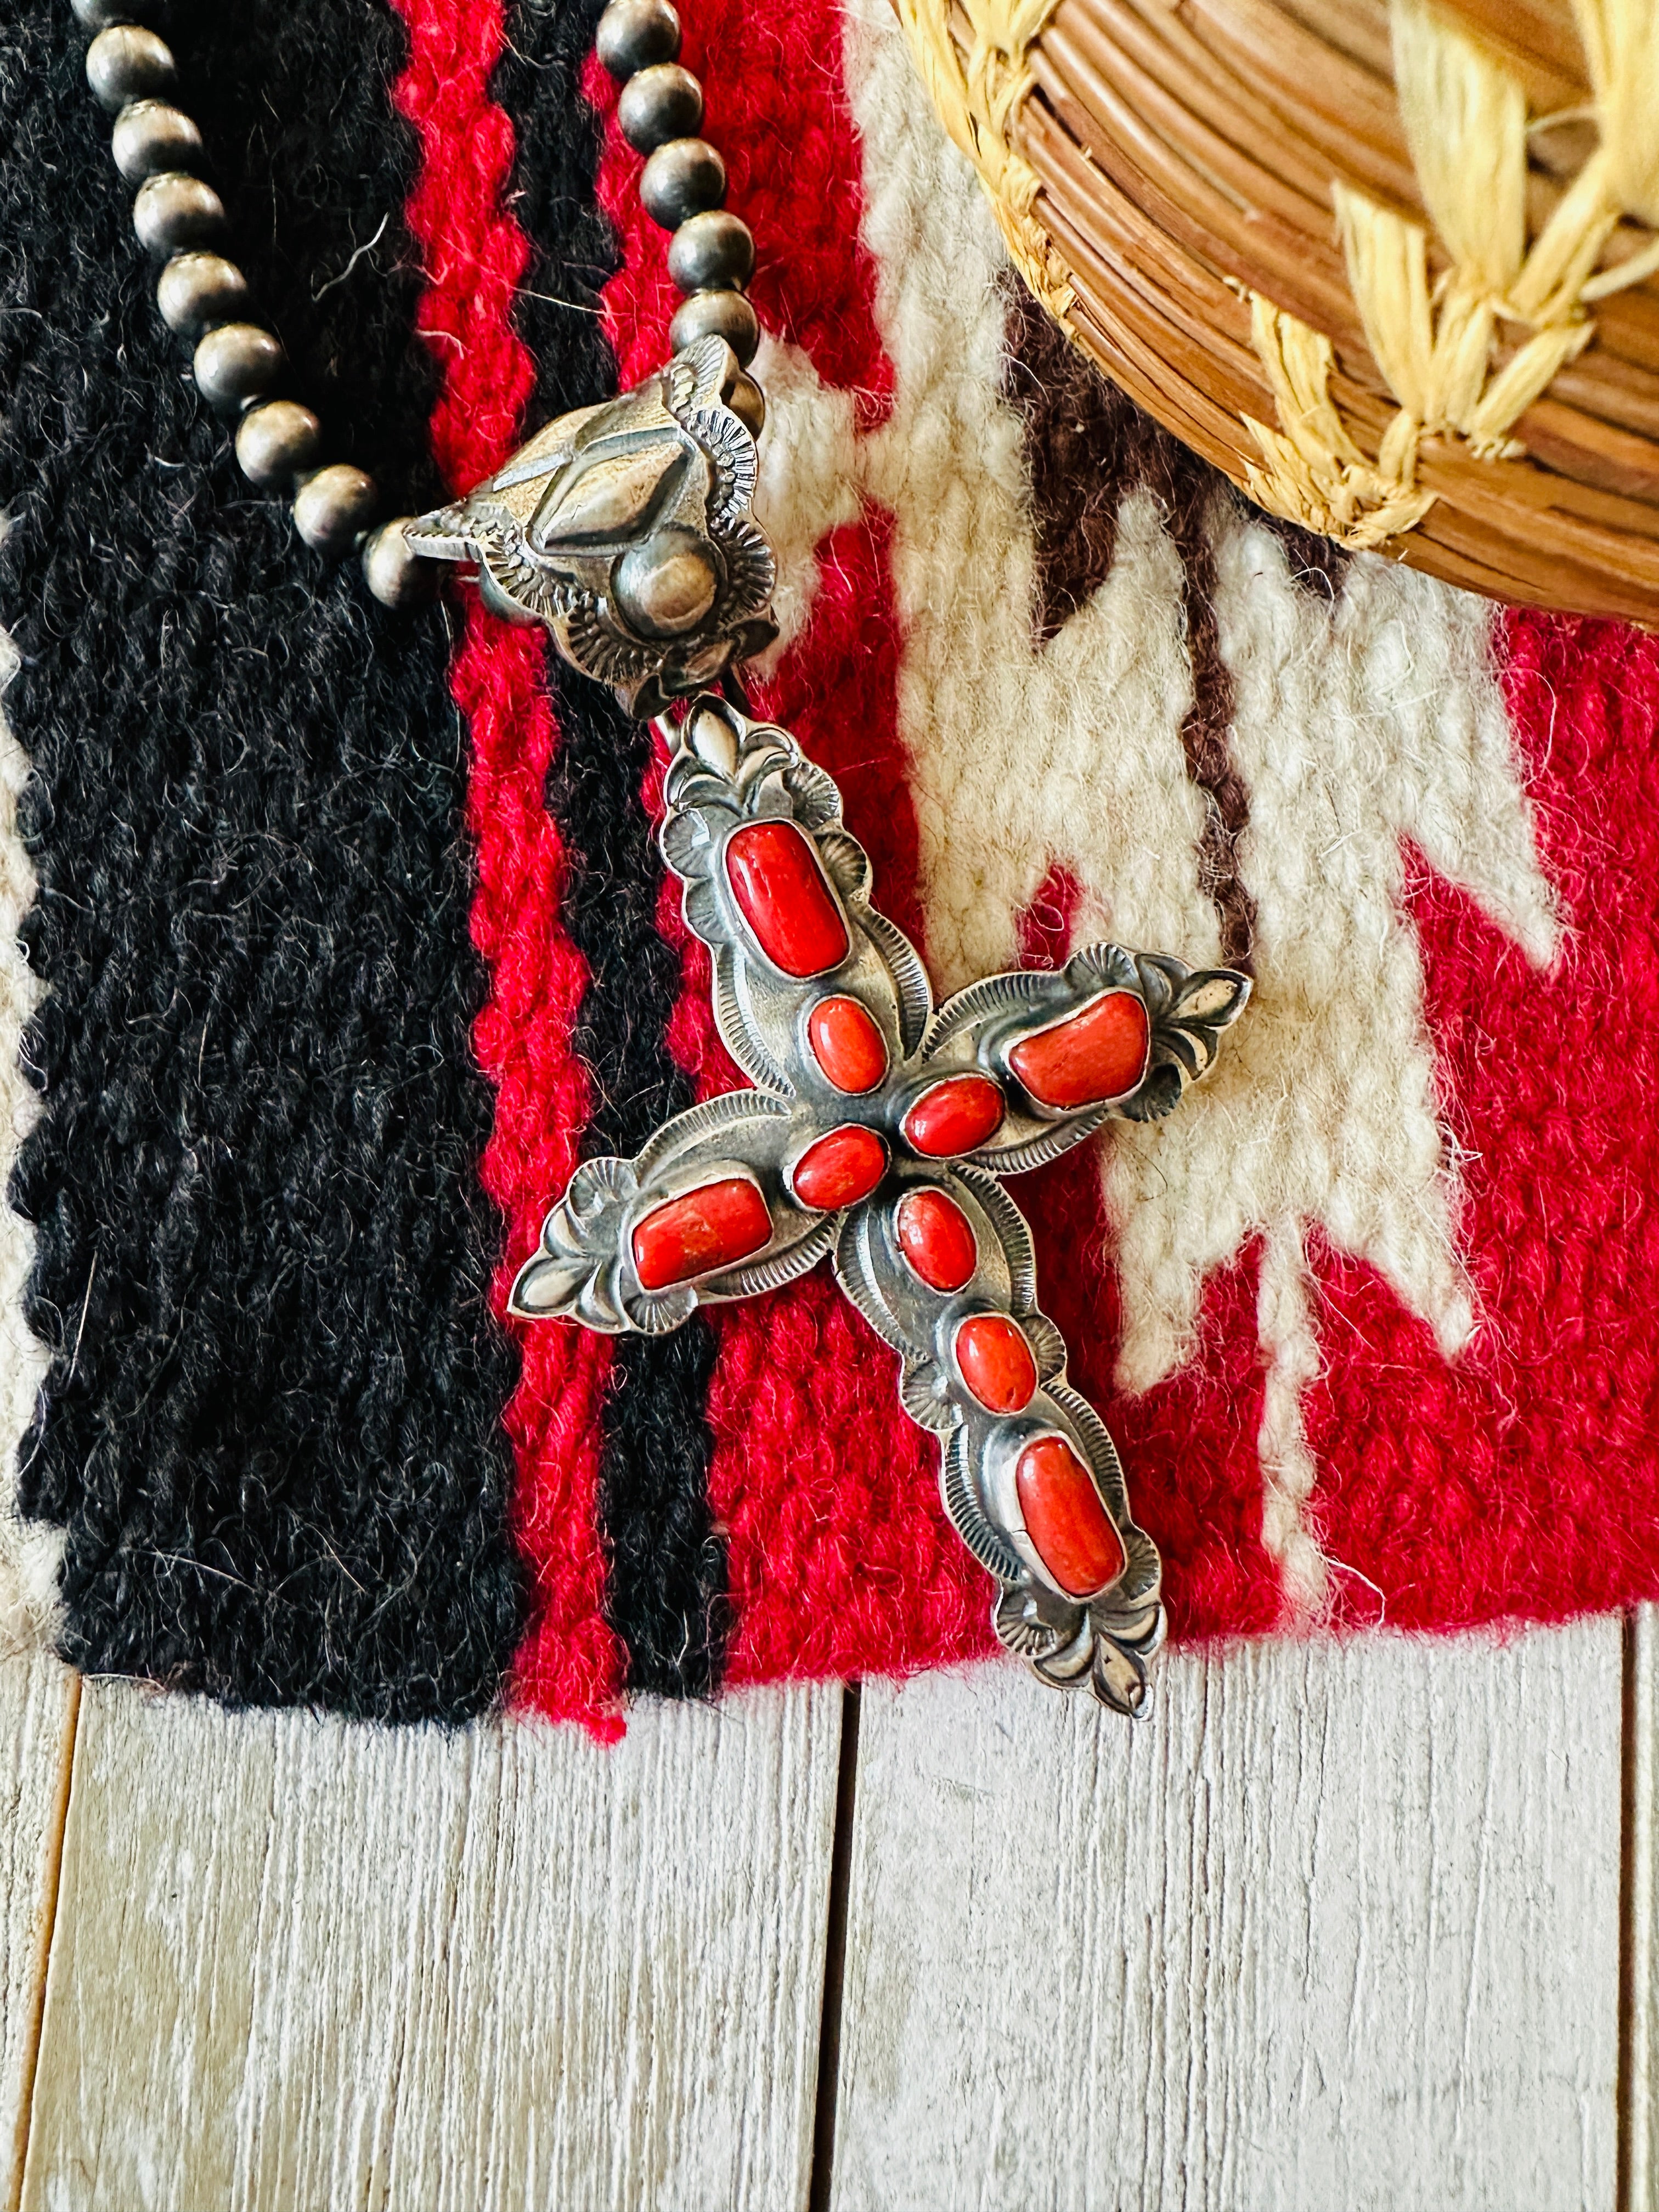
pixel 1369 1321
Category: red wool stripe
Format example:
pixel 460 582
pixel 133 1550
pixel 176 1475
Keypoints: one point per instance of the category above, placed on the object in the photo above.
pixel 570 1663
pixel 841 1560
pixel 1521 1481
pixel 771 75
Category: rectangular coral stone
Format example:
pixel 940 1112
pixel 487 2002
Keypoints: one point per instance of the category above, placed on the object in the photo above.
pixel 784 897
pixel 713 1227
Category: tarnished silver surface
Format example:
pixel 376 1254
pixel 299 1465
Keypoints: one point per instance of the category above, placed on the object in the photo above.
pixel 332 508
pixel 729 770
pixel 626 528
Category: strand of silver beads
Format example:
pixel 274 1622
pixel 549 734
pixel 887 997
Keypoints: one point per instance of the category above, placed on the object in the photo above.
pixel 683 186
pixel 205 298
pixel 239 363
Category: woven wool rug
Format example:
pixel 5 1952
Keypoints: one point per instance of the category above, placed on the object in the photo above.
pixel 346 938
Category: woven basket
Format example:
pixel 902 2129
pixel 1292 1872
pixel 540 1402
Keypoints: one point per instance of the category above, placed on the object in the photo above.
pixel 1394 268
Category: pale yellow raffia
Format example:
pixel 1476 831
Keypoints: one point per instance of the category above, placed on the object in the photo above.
pixel 1315 474
pixel 978 91
pixel 1465 121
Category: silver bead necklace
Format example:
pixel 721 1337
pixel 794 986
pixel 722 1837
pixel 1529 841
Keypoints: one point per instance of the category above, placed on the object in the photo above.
pixel 880 1125
pixel 239 363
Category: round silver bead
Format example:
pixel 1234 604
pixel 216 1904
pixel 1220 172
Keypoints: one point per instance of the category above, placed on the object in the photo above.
pixel 660 103
pixel 633 34
pixel 332 508
pixel 150 136
pixel 277 442
pixel 174 211
pixel 665 585
pixel 396 576
pixel 711 252
pixel 129 63
pixel 196 291
pixel 727 315
pixel 685 178
pixel 237 362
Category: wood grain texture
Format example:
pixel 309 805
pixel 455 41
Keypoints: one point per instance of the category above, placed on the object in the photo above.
pixel 1338 1927
pixel 38 1700
pixel 301 1965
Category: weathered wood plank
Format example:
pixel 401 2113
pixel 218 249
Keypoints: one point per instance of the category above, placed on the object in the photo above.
pixel 38 1699
pixel 1339 1926
pixel 299 1963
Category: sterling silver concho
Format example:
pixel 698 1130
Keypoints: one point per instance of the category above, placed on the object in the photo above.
pixel 879 1126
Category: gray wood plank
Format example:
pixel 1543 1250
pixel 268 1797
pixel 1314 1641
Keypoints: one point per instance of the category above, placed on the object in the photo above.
pixel 38 1701
pixel 301 1965
pixel 1338 1927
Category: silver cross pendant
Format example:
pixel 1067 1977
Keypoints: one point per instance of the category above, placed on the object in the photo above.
pixel 879 1125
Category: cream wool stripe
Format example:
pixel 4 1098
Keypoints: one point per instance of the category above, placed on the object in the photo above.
pixel 29 1551
pixel 1284 1330
pixel 1358 727
pixel 1017 757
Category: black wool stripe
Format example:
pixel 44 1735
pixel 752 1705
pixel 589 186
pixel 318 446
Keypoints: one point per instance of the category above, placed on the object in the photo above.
pixel 272 1425
pixel 667 1585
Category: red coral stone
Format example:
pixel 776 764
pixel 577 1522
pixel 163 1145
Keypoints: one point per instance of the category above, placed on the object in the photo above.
pixel 846 1044
pixel 840 1169
pixel 1098 1054
pixel 1065 1519
pixel 775 879
pixel 955 1117
pixel 996 1363
pixel 713 1227
pixel 937 1238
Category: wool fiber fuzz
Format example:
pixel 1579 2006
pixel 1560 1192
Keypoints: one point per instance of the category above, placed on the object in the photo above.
pixel 626 1576
pixel 31 1552
pixel 665 1590
pixel 354 940
pixel 1363 731
pixel 476 256
pixel 1521 1476
pixel 1036 721
pixel 271 1431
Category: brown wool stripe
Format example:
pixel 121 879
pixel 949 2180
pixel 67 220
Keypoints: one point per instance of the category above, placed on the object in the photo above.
pixel 1087 448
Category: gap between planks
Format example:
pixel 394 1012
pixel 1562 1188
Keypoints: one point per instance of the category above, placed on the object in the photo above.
pixel 360 1987
pixel 834 1956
